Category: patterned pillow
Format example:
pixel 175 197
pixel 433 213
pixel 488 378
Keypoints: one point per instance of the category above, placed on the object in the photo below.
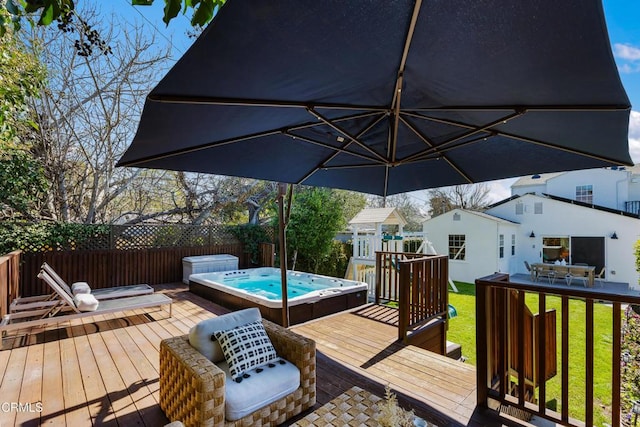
pixel 245 347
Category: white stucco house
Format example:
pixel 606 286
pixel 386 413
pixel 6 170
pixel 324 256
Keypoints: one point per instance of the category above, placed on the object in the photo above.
pixel 589 216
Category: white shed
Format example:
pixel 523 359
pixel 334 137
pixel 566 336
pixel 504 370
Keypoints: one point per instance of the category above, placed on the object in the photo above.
pixel 477 244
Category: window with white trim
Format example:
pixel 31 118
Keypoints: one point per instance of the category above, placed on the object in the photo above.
pixel 457 247
pixel 519 208
pixel 513 244
pixel 584 193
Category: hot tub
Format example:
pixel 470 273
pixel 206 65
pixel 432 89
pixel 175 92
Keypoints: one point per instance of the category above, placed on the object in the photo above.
pixel 309 295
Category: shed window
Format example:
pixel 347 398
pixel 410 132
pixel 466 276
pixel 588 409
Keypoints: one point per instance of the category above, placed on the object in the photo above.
pixel 457 247
pixel 519 208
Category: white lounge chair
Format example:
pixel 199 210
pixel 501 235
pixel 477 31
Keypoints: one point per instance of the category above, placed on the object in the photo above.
pixel 63 307
pixel 44 301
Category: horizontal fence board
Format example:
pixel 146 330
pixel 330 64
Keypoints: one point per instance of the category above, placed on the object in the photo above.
pixel 108 268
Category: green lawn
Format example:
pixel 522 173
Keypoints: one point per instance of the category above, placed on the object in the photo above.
pixel 462 330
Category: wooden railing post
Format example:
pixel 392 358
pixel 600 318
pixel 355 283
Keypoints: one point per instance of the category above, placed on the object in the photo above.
pixel 14 274
pixel 403 299
pixel 482 344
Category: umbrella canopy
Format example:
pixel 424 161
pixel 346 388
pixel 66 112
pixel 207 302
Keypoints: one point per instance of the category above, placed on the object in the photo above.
pixel 390 96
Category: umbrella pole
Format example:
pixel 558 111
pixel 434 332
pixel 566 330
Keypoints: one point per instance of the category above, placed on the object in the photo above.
pixel 283 252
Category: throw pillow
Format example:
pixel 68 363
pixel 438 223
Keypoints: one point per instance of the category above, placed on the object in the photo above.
pixel 201 335
pixel 246 347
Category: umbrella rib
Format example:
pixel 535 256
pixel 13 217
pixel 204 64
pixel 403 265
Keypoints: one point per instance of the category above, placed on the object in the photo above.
pixel 341 119
pixel 200 147
pixel 322 164
pixel 556 147
pixel 240 139
pixel 342 149
pixel 473 131
pixel 432 155
pixel 430 144
pixel 532 108
pixel 245 102
pixel 352 166
pixel 407 46
pixel 437 120
pixel 345 133
pixel 397 94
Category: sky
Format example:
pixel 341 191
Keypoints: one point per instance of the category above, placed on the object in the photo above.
pixel 622 20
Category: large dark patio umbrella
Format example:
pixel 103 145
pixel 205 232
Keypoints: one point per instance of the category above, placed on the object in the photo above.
pixel 391 96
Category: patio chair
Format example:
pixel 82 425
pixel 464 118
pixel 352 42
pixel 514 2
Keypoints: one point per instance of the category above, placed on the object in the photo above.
pixel 579 274
pixel 547 272
pixel 199 392
pixel 562 271
pixel 531 271
pixel 64 306
pixel 45 301
pixel 600 276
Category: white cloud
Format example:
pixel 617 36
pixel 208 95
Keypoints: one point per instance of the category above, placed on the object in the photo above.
pixel 634 136
pixel 626 51
pixel 626 69
pixel 500 189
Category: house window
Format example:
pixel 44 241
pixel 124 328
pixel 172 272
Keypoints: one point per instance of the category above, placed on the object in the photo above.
pixel 519 208
pixel 555 249
pixel 537 208
pixel 457 247
pixel 513 244
pixel 501 245
pixel 584 193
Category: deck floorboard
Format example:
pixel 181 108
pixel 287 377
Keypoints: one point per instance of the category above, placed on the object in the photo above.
pixel 103 370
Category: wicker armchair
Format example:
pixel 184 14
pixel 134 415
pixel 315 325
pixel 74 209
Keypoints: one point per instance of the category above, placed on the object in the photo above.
pixel 192 388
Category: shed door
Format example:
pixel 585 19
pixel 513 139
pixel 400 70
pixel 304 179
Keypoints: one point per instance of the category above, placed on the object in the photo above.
pixel 589 250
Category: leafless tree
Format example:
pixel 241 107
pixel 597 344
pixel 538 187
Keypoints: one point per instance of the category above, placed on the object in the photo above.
pixel 410 209
pixel 473 197
pixel 88 114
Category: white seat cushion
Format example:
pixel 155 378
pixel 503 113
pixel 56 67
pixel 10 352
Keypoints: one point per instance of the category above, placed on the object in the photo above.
pixel 85 302
pixel 259 389
pixel 80 288
pixel 200 336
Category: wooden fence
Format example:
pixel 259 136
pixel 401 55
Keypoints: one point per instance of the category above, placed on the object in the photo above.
pixel 495 339
pixel 267 254
pixel 107 268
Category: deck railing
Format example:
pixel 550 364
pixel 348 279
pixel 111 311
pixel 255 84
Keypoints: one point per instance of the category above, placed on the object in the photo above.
pixel 418 283
pixel 501 337
pixel 388 274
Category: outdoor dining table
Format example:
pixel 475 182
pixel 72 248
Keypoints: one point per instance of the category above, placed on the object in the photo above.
pixel 575 271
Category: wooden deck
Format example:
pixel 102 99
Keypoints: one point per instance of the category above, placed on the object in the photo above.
pixel 365 341
pixel 103 370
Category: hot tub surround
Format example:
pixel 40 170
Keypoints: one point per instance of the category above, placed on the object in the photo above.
pixel 332 296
